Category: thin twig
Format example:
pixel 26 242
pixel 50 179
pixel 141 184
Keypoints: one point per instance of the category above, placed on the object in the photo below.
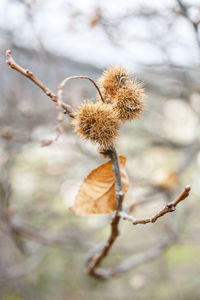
pixel 63 83
pixel 170 207
pixel 27 73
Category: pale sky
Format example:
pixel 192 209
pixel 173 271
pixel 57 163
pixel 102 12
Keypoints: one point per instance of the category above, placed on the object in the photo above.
pixel 51 23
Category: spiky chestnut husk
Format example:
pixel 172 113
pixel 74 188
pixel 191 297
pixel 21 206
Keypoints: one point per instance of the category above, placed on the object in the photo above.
pixel 113 79
pixel 97 122
pixel 124 93
pixel 129 101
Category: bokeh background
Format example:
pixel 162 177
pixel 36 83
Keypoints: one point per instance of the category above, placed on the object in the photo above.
pixel 43 246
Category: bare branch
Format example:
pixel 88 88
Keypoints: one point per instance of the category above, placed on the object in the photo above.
pixel 96 259
pixel 27 73
pixel 63 83
pixel 23 269
pixel 135 260
pixel 170 207
pixel 184 12
pixel 141 258
pixel 31 233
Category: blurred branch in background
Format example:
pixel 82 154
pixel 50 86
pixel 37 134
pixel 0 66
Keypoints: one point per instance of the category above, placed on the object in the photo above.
pixel 184 11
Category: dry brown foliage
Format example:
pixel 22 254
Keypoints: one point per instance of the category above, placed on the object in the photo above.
pixel 97 194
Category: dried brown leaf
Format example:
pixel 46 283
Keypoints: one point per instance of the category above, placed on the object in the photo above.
pixel 97 193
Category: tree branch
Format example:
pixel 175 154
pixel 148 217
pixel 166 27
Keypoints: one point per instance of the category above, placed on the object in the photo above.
pixel 170 207
pixel 143 257
pixel 63 83
pixel 95 260
pixel 195 25
pixel 32 233
pixel 27 73
pixel 22 269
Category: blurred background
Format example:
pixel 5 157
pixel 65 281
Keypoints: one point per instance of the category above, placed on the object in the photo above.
pixel 43 246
